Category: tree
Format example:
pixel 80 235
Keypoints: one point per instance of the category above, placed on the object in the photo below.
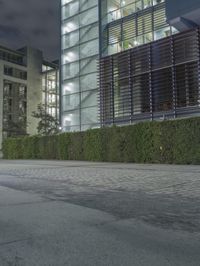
pixel 47 125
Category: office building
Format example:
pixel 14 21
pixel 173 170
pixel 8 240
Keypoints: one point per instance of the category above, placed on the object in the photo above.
pixel 26 81
pixel 147 60
pixel 80 51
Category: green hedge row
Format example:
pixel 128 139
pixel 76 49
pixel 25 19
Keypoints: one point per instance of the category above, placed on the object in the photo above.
pixel 176 141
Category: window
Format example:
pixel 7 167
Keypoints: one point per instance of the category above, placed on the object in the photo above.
pixel 14 72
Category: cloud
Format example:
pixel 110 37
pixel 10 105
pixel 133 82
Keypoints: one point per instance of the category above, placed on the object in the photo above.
pixel 30 22
pixel 9 32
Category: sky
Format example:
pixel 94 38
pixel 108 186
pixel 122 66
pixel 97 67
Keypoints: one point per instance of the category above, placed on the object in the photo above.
pixel 30 22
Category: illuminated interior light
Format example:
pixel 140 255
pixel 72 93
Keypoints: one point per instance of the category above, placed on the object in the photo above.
pixel 69 27
pixel 68 87
pixel 65 59
pixel 69 57
pixel 66 2
pixel 123 3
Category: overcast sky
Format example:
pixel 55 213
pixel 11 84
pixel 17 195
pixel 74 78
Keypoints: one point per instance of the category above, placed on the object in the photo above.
pixel 30 22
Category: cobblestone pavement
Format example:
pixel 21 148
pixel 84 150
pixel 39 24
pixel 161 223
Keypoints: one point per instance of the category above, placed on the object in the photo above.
pixel 160 195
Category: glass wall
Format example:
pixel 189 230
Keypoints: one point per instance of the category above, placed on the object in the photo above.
pixel 156 81
pixel 80 50
pixel 116 9
pixel 130 23
pixel 50 90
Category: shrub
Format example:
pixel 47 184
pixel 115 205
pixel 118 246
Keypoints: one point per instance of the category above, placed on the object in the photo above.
pixel 175 141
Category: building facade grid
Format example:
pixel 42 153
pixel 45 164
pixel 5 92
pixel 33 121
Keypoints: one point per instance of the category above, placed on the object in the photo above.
pixel 127 60
pixel 80 50
pixel 159 80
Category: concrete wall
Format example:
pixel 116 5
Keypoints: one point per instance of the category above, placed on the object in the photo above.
pixel 177 8
pixel 34 89
pixel 1 102
pixel 186 10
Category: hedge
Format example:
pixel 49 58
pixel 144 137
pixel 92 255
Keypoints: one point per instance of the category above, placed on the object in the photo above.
pixel 174 141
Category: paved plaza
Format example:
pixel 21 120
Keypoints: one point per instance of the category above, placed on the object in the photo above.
pixel 59 213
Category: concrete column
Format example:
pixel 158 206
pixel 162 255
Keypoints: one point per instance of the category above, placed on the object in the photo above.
pixel 34 87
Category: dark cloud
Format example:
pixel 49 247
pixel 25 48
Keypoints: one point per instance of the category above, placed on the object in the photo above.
pixel 40 32
pixel 10 17
pixel 8 31
pixel 30 22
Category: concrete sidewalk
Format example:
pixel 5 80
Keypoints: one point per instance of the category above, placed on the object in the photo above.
pixel 37 232
pixel 40 225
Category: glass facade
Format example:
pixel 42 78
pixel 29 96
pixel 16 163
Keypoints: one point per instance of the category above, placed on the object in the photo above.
pixel 144 70
pixel 79 53
pixel 13 57
pixel 156 81
pixel 126 24
pixel 50 90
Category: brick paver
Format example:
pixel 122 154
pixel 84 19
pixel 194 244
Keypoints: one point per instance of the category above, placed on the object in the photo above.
pixel 162 195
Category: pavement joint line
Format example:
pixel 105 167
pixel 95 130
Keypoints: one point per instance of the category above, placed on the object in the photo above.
pixel 26 203
pixel 24 174
pixel 98 188
pixel 14 241
pixel 101 165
